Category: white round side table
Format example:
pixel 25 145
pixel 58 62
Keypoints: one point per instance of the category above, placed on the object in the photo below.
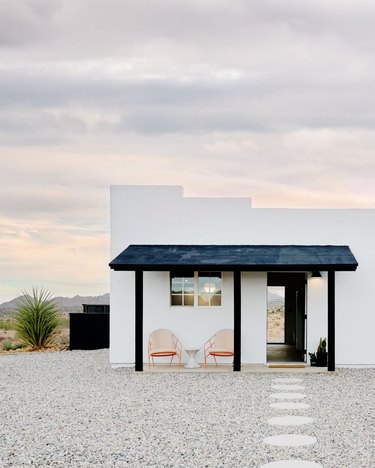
pixel 191 364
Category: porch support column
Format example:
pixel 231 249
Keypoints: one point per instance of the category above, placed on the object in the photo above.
pixel 139 320
pixel 331 320
pixel 237 320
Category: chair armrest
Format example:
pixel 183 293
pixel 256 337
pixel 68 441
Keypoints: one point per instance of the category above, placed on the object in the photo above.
pixel 209 344
pixel 177 344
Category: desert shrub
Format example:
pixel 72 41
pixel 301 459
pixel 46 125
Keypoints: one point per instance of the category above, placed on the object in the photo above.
pixel 36 318
pixel 18 346
pixel 7 345
pixel 7 324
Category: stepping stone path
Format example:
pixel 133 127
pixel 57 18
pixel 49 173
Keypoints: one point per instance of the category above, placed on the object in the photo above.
pixel 292 464
pixel 290 387
pixel 287 380
pixel 288 396
pixel 289 405
pixel 289 440
pixel 289 420
pixel 287 387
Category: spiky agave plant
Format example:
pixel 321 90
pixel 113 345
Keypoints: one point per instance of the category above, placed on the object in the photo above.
pixel 36 318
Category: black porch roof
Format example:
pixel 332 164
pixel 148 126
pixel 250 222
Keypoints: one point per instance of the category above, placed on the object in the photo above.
pixel 236 257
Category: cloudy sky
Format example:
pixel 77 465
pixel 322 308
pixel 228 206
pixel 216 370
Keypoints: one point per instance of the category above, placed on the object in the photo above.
pixel 269 99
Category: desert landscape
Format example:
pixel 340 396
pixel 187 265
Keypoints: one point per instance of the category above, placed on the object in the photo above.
pixel 275 314
pixel 275 323
pixel 10 342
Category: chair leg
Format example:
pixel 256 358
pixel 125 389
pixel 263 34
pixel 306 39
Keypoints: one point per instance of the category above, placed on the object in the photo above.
pixel 153 363
pixel 205 360
pixel 215 360
pixel 148 361
pixel 171 360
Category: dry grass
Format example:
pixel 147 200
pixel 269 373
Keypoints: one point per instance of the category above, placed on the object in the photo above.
pixel 275 325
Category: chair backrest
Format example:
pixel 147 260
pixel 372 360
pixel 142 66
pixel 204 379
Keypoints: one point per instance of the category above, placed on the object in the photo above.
pixel 162 338
pixel 224 340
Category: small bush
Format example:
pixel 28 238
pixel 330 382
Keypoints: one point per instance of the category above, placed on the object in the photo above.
pixel 7 345
pixel 36 318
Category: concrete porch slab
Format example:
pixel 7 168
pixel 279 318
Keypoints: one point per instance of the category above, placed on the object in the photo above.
pixel 225 368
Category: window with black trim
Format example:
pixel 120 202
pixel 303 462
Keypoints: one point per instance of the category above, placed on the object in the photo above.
pixel 190 288
pixel 209 289
pixel 182 288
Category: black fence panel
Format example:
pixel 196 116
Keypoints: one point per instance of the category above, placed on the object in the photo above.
pixel 89 331
pixel 95 308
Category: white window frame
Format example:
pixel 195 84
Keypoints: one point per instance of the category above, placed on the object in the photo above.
pixel 182 293
pixel 221 288
pixel 196 290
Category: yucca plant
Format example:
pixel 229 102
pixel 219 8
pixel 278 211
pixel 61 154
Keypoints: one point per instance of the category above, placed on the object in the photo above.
pixel 36 318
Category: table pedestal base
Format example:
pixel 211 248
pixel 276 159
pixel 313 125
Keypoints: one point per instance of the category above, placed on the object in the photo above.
pixel 191 364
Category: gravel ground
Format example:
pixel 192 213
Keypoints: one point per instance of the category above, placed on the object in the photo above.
pixel 71 409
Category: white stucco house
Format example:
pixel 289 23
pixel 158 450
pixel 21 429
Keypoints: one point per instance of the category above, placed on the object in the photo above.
pixel 161 239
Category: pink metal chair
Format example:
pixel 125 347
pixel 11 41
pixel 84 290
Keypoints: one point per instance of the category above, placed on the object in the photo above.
pixel 163 343
pixel 221 344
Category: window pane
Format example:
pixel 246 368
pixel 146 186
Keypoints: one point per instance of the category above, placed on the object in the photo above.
pixel 209 283
pixel 177 299
pixel 209 288
pixel 189 299
pixel 215 300
pixel 203 300
pixel 203 284
pixel 189 285
pixel 177 285
pixel 182 288
pixel 215 279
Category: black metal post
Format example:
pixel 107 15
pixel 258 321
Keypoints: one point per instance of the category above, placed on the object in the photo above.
pixel 331 320
pixel 237 320
pixel 139 320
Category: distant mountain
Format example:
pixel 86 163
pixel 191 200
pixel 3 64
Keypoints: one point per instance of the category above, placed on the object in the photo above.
pixel 79 300
pixel 65 304
pixel 274 297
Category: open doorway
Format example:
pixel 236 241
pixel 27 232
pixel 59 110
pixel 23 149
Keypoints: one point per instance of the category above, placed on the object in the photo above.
pixel 275 314
pixel 286 317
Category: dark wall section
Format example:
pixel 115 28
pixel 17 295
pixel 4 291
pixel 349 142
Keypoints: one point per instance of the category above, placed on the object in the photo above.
pixel 95 308
pixel 89 331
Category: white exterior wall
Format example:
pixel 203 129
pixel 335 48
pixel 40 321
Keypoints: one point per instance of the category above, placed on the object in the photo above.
pixel 253 318
pixel 161 215
pixel 192 325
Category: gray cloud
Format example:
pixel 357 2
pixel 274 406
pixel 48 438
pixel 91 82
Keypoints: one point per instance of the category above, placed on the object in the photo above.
pixel 267 99
pixel 93 28
pixel 27 21
pixel 37 127
pixel 164 106
pixel 188 66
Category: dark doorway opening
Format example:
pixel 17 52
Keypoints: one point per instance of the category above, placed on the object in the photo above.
pixel 276 314
pixel 286 317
